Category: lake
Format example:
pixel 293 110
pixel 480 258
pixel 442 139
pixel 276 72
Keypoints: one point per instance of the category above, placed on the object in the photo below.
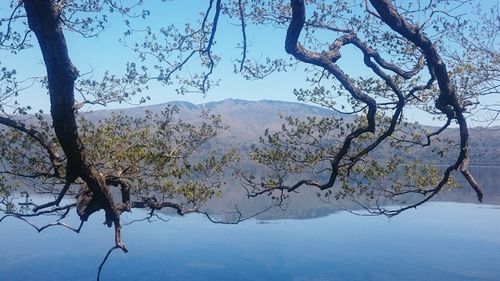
pixel 438 241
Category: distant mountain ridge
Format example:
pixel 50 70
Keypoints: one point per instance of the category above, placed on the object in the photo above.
pixel 247 121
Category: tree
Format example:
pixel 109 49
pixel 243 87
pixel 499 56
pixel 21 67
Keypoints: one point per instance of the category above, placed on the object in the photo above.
pixel 149 159
pixel 428 55
pixel 404 33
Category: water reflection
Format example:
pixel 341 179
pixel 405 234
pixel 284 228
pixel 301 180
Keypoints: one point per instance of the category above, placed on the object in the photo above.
pixel 440 241
pixel 306 205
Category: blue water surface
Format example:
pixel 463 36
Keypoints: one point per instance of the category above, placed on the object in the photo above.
pixel 439 241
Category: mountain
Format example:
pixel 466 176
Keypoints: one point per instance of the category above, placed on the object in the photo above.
pixel 247 121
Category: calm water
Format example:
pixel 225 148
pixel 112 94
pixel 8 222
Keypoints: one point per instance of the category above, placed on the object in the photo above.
pixel 439 241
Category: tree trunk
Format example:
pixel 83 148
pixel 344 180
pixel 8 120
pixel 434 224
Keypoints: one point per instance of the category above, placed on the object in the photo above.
pixel 44 21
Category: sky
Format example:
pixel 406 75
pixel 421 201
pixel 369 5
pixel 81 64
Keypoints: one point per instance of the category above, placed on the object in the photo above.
pixel 105 52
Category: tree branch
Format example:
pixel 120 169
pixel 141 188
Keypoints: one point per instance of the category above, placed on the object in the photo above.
pixel 38 137
pixel 447 102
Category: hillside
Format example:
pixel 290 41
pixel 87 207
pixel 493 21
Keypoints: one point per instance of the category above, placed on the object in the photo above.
pixel 247 121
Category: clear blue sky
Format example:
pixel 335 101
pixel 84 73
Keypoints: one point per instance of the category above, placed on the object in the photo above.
pixel 106 53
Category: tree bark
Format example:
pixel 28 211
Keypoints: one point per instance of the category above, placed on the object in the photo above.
pixel 447 102
pixel 44 21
